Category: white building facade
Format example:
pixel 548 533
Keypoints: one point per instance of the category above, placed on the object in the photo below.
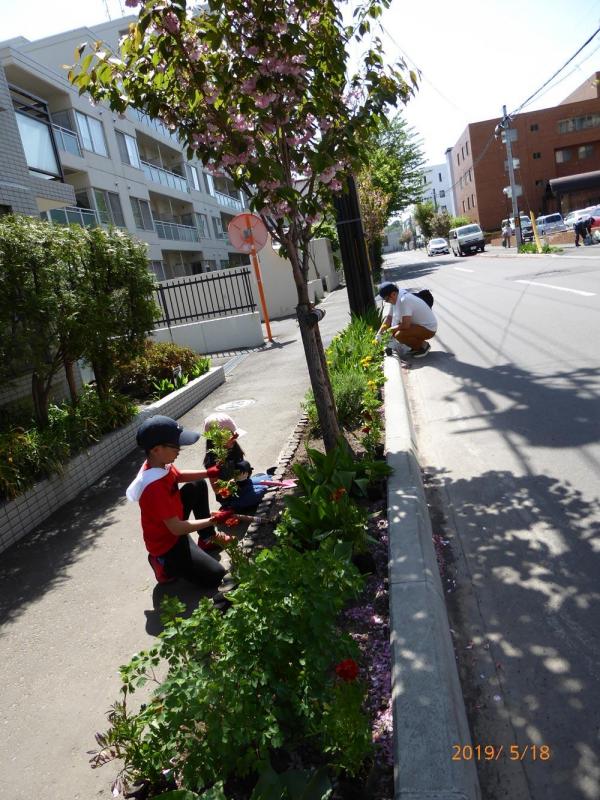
pixel 437 187
pixel 72 161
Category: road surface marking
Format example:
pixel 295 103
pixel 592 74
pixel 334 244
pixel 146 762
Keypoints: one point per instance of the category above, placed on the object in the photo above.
pixel 462 269
pixel 560 288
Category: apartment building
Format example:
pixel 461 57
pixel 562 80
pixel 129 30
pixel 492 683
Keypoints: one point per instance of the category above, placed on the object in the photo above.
pixel 70 160
pixel 550 144
pixel 437 187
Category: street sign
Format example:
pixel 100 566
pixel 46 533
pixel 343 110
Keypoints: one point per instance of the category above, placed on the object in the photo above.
pixel 518 190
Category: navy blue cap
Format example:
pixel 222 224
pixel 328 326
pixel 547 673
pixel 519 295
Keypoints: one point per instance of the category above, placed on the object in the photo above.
pixel 386 289
pixel 163 430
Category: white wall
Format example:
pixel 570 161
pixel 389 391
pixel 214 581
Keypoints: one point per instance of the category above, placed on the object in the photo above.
pixel 215 335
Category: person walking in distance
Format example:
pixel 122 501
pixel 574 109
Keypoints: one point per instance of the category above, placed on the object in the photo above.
pixel 506 234
pixel 416 321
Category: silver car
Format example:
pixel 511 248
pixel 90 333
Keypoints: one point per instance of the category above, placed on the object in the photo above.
pixel 436 247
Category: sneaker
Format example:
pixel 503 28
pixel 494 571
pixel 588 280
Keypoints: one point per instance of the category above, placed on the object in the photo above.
pixel 422 352
pixel 159 569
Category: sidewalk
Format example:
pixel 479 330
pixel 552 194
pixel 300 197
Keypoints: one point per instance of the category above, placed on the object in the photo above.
pixel 79 599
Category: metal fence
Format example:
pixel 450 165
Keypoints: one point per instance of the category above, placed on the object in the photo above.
pixel 205 297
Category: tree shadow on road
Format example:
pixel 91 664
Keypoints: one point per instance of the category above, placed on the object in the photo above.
pixel 566 400
pixel 524 604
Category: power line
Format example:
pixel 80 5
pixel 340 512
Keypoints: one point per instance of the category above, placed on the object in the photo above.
pixel 558 71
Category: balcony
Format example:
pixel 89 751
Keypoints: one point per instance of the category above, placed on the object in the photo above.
pixel 156 124
pixel 228 201
pixel 176 232
pixel 85 217
pixel 67 140
pixel 160 175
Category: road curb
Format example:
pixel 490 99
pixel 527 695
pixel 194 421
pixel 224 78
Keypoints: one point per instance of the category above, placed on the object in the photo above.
pixel 428 706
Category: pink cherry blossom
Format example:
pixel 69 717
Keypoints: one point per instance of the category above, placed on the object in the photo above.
pixel 132 3
pixel 335 185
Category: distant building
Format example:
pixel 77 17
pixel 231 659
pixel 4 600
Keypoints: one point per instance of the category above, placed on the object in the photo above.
pixel 437 187
pixel 69 160
pixel 549 144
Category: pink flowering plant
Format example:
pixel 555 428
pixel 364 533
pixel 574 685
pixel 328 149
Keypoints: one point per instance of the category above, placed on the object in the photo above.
pixel 260 92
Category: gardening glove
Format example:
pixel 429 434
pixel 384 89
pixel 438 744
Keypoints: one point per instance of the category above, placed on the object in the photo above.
pixel 222 515
pixel 213 472
pixel 377 337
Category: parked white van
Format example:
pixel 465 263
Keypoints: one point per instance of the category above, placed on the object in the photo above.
pixel 466 239
pixel 550 223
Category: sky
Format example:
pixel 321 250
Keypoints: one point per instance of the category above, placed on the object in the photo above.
pixel 474 55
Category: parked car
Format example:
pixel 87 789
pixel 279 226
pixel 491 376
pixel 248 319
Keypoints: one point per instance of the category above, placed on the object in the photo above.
pixel 575 216
pixel 466 239
pixel 526 227
pixel 436 247
pixel 550 223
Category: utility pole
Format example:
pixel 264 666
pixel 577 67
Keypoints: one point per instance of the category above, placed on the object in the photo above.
pixel 435 205
pixel 505 124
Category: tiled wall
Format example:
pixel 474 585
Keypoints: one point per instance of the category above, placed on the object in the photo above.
pixel 18 517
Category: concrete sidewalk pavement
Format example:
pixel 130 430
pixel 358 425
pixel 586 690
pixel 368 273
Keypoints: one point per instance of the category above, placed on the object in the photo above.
pixel 79 599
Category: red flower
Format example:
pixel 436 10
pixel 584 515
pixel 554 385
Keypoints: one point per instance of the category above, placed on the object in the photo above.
pixel 231 522
pixel 347 670
pixel 335 495
pixel 366 429
pixel 224 492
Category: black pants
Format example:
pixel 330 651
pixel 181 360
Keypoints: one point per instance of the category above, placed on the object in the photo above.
pixel 186 559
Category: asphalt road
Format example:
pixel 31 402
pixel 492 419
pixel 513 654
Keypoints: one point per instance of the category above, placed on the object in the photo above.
pixel 507 414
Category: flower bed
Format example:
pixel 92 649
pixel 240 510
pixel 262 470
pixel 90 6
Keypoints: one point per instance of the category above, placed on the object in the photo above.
pixel 289 687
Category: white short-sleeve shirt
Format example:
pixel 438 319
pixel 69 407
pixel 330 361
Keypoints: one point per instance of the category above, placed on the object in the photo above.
pixel 411 306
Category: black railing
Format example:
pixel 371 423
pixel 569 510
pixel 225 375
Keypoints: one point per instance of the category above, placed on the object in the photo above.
pixel 205 297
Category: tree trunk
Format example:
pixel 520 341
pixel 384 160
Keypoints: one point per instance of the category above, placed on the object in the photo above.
pixel 319 377
pixel 102 384
pixel 313 350
pixel 70 373
pixel 40 392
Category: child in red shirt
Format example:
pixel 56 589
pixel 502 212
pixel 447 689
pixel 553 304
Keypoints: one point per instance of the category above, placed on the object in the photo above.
pixel 165 507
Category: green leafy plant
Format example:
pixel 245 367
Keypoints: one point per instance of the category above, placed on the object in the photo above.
pixel 159 361
pixel 28 453
pixel 242 684
pixel 531 247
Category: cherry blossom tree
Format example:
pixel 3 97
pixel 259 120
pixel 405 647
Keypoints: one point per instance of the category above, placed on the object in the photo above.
pixel 260 91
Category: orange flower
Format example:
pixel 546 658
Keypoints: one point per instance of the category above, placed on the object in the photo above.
pixel 224 492
pixel 232 522
pixel 338 493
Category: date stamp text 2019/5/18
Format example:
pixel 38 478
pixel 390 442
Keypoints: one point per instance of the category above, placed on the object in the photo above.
pixel 493 752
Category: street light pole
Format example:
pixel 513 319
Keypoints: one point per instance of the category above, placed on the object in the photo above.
pixel 511 175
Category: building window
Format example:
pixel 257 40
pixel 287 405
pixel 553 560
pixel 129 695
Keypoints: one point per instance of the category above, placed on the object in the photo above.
pixel 585 151
pixel 142 214
pixel 442 193
pixel 560 156
pixel 579 123
pixel 38 146
pixel 440 177
pixel 128 149
pixel 470 177
pixel 463 205
pixel 108 206
pixel 91 134
pixel 534 127
pixel 158 268
pixel 468 203
pixel 537 155
pixel 193 177
pixel 458 158
pixel 218 226
pixel 443 208
pixel 225 264
pixel 202 224
pixel 472 201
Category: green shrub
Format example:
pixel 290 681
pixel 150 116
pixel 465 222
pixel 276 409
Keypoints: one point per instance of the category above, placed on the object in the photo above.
pixel 159 362
pixel 27 456
pixel 243 684
pixel 530 247
pixel 348 390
